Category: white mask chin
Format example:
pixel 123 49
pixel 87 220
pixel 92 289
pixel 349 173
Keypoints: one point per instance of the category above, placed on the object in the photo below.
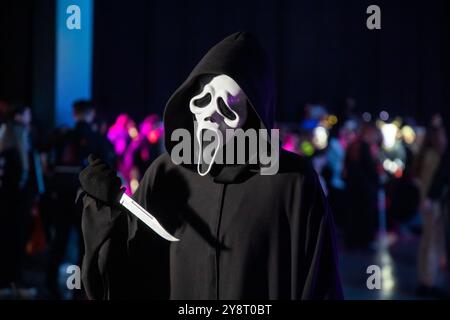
pixel 221 105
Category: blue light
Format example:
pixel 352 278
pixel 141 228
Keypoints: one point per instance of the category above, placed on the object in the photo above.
pixel 73 59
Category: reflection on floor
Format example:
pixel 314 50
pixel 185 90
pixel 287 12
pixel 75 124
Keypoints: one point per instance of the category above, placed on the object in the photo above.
pixel 397 263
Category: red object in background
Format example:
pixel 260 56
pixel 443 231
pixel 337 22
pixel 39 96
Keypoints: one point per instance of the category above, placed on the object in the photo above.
pixel 153 136
pixel 145 155
pixel 37 242
pixel 398 174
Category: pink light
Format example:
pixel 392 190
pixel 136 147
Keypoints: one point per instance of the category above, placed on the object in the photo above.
pixel 122 119
pixel 289 144
pixel 146 127
pixel 153 136
pixel 120 145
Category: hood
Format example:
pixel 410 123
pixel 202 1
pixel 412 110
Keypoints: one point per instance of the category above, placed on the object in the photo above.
pixel 239 56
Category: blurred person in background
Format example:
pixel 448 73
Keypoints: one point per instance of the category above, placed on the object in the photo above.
pixel 34 184
pixel 440 192
pixel 144 147
pixel 432 243
pixel 14 172
pixel 86 137
pixel 149 143
pixel 69 154
pixel 340 137
pixel 402 192
pixel 121 134
pixel 361 176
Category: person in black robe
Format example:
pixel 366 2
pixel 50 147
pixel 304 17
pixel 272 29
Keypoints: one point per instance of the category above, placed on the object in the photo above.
pixel 242 235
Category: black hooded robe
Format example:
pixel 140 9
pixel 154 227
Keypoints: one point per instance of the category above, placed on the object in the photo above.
pixel 242 235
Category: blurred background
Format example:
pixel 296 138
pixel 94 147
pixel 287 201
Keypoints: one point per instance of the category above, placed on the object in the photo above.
pixel 370 108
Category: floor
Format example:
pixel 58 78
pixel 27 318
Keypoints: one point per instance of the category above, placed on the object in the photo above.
pixel 397 262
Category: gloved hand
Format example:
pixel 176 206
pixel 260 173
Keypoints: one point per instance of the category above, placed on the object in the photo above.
pixel 100 181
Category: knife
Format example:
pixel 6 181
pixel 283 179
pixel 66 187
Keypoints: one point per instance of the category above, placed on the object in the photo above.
pixel 145 217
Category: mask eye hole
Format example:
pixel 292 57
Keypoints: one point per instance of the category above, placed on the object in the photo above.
pixel 203 101
pixel 225 110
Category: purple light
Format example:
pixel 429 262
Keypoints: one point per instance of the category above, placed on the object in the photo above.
pixel 367 117
pixel 233 100
pixel 384 115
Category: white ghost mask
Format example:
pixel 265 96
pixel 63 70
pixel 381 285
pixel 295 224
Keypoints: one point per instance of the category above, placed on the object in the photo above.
pixel 221 105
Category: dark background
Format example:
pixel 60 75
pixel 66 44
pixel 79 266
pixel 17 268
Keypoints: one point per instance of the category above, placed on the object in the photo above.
pixel 321 50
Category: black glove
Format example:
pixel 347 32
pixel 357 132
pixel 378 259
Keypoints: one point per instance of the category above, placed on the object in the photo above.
pixel 100 181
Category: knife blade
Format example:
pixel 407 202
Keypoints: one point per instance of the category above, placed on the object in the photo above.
pixel 145 217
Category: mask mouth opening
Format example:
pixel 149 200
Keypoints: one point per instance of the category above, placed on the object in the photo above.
pixel 213 144
pixel 210 142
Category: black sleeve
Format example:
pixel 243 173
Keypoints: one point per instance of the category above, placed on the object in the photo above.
pixel 105 242
pixel 314 263
pixel 123 258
